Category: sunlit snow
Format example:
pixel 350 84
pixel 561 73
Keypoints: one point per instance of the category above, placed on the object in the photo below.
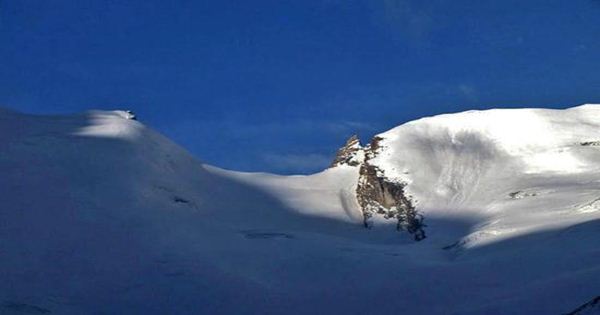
pixel 102 215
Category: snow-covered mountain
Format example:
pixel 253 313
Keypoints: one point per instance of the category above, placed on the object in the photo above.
pixel 481 212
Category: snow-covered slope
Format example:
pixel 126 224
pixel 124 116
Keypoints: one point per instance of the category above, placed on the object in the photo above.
pixel 518 170
pixel 101 215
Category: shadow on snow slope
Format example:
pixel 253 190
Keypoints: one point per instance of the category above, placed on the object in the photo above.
pixel 127 222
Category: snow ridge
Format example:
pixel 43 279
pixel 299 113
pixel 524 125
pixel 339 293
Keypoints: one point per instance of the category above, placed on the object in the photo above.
pixel 99 213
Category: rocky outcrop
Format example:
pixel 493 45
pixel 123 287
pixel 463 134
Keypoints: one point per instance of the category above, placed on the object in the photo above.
pixel 130 115
pixel 349 154
pixel 521 194
pixel 376 194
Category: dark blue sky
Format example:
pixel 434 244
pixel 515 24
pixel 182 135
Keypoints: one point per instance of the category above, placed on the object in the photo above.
pixel 278 85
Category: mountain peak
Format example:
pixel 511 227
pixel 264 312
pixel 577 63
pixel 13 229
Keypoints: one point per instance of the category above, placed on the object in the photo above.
pixel 349 154
pixel 509 197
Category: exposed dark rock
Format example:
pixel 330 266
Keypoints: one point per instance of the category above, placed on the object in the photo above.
pixel 590 143
pixel 348 154
pixel 377 194
pixel 521 194
pixel 374 146
pixel 590 308
pixel 131 115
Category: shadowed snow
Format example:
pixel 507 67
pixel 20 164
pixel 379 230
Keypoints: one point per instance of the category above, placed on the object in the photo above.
pixel 99 214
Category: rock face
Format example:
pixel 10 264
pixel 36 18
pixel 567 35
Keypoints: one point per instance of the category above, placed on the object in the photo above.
pixel 349 154
pixel 376 194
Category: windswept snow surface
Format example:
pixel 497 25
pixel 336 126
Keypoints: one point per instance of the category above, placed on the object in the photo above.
pixel 101 215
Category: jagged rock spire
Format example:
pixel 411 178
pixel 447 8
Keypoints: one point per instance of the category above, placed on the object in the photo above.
pixel 349 153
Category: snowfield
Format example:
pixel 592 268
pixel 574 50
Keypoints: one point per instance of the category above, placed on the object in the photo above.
pixel 102 215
